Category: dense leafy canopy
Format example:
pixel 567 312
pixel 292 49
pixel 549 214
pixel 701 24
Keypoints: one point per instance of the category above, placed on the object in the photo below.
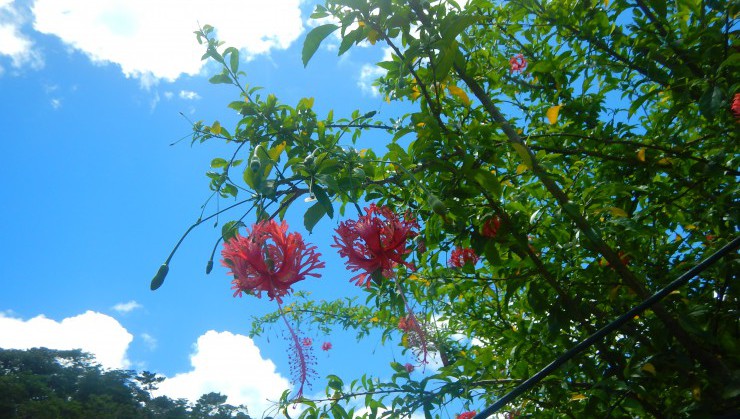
pixel 595 136
pixel 43 383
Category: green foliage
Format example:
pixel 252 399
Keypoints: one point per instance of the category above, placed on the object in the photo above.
pixel 607 161
pixel 44 383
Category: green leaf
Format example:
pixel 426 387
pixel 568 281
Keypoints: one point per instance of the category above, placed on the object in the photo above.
pixel 229 230
pixel 523 153
pixel 218 162
pixel 313 215
pixel 710 102
pixel 313 40
pixel 323 198
pixel 233 59
pixel 488 181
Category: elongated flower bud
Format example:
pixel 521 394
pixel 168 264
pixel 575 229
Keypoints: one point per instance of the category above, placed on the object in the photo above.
pixel 255 164
pixel 209 267
pixel 159 277
pixel 436 204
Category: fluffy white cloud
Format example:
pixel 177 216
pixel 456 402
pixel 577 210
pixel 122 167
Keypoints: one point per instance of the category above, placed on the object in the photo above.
pixel 154 40
pixel 188 95
pixel 13 43
pixel 96 333
pixel 232 365
pixel 127 307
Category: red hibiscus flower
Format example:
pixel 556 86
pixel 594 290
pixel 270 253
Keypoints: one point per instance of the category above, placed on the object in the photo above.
pixel 462 256
pixel 736 105
pixel 409 367
pixel 490 227
pixel 376 242
pixel 467 415
pixel 307 341
pixel 518 63
pixel 269 260
pixel 326 346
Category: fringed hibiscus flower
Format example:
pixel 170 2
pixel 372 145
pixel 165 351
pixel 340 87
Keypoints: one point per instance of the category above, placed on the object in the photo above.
pixel 491 226
pixel 375 243
pixel 518 63
pixel 269 260
pixel 466 415
pixel 462 256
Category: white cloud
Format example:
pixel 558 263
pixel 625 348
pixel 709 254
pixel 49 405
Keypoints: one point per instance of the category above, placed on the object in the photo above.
pixel 13 43
pixel 153 40
pixel 370 72
pixel 56 103
pixel 149 340
pixel 96 333
pixel 127 307
pixel 188 95
pixel 232 365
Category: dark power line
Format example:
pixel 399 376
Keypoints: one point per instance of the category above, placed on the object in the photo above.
pixel 599 334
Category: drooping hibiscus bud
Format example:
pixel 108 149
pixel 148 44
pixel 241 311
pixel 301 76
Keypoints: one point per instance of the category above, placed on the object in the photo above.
pixel 436 204
pixel 209 266
pixel 255 163
pixel 160 276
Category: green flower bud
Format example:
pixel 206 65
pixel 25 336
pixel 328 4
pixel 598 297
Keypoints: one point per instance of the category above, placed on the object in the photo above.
pixel 159 277
pixel 255 164
pixel 436 204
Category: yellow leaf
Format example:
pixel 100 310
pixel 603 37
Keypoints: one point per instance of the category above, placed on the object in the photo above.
pixel 649 368
pixel 387 99
pixel 691 227
pixel 577 397
pixel 606 3
pixel 552 113
pixel 421 125
pixel 613 293
pixel 507 182
pixel 373 37
pixel 678 238
pixel 618 212
pixel 459 93
pixel 216 128
pixel 641 154
pixel 696 393
pixel 374 319
pixel 361 24
pixel 521 169
pixel 665 161
pixel 415 93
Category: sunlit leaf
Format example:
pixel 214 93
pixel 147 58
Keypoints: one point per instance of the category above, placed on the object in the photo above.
pixel 314 39
pixel 552 114
pixel 459 93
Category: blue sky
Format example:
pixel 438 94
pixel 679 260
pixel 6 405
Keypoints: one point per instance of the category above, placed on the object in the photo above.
pixel 94 197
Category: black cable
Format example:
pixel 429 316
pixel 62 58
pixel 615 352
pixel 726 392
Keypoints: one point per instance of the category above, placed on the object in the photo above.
pixel 599 334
